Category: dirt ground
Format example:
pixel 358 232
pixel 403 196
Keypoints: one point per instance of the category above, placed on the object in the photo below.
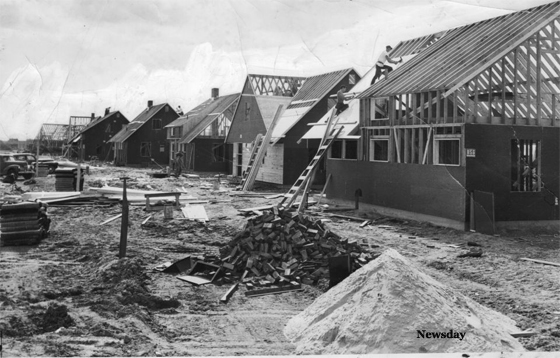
pixel 71 295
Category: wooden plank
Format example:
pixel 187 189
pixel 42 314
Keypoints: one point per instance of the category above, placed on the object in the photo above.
pixel 490 97
pixel 195 212
pixel 195 280
pixel 413 108
pixel 413 144
pixel 273 290
pixel 430 107
pixel 475 94
pixel 539 77
pixel 466 99
pixel 324 188
pixel 523 334
pixel 438 106
pixel 397 145
pixel 528 85
pixel 503 80
pixel 111 219
pixel 515 80
pixel 262 151
pixel 541 262
pixel 426 150
pixel 146 220
pixel 420 145
pixel 225 298
pixel 406 145
pixel 455 103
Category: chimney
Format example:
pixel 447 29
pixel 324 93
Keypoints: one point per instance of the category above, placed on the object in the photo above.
pixel 150 104
pixel 92 116
pixel 107 110
pixel 215 93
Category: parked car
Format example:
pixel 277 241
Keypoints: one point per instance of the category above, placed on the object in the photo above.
pixel 65 163
pixel 43 161
pixel 10 165
pixel 48 162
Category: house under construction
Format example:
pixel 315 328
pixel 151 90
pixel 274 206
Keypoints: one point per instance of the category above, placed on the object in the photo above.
pixel 465 134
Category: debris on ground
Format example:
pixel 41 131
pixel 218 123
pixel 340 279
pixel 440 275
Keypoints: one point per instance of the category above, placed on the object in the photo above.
pixel 386 305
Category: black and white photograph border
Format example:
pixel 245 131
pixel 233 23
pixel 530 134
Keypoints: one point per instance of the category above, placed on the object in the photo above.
pixel 279 178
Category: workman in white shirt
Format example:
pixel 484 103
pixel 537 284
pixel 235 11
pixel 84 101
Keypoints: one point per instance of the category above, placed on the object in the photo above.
pixel 380 66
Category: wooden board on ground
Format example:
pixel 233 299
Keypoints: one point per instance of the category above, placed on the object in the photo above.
pixel 195 212
pixel 195 280
pixel 273 290
pixel 541 262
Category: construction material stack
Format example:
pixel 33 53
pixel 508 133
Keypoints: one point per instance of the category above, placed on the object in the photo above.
pixel 283 246
pixel 66 179
pixel 23 223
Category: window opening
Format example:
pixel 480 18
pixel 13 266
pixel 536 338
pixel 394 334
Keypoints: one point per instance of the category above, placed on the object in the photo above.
pixel 525 165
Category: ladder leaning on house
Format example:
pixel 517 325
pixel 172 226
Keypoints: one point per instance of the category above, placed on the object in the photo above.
pixel 257 143
pixel 258 153
pixel 306 177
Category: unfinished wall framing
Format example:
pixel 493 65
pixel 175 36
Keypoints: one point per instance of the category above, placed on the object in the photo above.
pixel 499 76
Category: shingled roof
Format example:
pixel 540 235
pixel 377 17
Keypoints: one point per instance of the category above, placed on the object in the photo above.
pixel 313 90
pixel 464 52
pixel 202 116
pixel 137 122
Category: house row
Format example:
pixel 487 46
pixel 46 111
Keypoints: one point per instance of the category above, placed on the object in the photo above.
pixel 464 133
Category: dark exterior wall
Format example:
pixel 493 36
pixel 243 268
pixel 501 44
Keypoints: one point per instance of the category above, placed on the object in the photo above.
pixel 95 140
pixel 156 137
pixel 490 170
pixel 204 160
pixel 425 189
pixel 297 156
pixel 242 130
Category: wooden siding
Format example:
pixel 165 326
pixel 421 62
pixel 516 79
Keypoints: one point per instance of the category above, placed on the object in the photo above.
pixel 271 171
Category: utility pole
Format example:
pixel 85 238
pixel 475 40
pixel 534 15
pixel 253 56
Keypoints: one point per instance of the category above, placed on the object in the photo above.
pixel 37 157
pixel 124 221
pixel 80 158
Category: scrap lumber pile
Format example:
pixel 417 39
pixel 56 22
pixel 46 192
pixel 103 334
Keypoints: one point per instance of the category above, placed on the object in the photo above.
pixel 65 179
pixel 281 246
pixel 23 223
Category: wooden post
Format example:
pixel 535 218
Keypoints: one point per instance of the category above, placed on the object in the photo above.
pixel 490 96
pixel 124 221
pixel 357 195
pixel 37 158
pixel 528 85
pixel 79 174
pixel 539 78
pixel 515 89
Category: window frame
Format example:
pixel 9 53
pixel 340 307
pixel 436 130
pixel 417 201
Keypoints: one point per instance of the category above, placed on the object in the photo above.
pixel 143 146
pixel 343 149
pixel 371 154
pixel 536 171
pixel 157 120
pixel 437 138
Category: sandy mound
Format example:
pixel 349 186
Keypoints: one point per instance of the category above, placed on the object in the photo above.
pixel 381 307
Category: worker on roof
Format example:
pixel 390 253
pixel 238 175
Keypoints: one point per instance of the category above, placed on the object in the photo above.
pixel 340 97
pixel 380 66
pixel 179 110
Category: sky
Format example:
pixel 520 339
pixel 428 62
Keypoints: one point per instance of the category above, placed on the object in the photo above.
pixel 61 58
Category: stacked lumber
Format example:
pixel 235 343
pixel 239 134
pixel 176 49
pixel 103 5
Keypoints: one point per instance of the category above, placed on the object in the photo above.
pixel 23 223
pixel 281 246
pixel 65 179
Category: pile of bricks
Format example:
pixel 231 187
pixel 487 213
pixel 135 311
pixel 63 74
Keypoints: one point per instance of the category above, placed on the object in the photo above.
pixel 282 247
pixel 23 223
pixel 66 179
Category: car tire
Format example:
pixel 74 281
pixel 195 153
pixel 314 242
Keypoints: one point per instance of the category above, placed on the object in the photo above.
pixel 51 169
pixel 12 171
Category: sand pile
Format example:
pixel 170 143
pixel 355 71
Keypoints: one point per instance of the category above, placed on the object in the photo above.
pixel 390 306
